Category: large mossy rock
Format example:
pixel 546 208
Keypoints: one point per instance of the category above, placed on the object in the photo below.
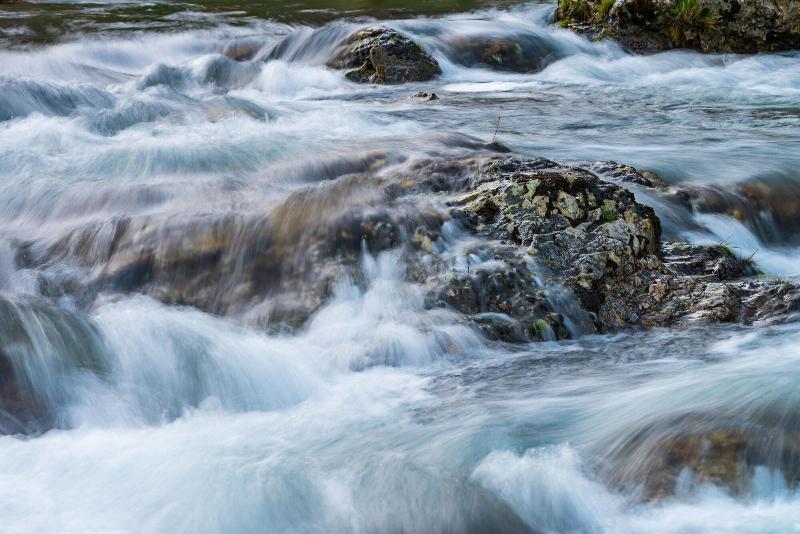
pixel 384 56
pixel 593 238
pixel 745 26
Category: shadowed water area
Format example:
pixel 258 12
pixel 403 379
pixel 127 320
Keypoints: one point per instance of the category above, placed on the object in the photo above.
pixel 241 293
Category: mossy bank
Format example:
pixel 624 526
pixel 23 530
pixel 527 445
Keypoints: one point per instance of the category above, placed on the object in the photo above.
pixel 745 26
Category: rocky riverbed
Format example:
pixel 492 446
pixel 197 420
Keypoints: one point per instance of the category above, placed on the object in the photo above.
pixel 460 272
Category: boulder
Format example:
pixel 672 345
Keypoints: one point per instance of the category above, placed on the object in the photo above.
pixel 426 97
pixel 516 53
pixel 745 26
pixel 581 232
pixel 384 56
pixel 593 238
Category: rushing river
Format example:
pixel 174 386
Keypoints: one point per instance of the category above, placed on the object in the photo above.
pixel 379 415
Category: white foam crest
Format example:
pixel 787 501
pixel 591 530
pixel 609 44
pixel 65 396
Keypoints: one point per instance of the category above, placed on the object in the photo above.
pixel 387 324
pixel 711 509
pixel 23 96
pixel 163 361
pixel 547 489
pixel 724 229
pixel 298 81
pixel 209 472
pixel 140 362
pixel 112 61
pixel 749 78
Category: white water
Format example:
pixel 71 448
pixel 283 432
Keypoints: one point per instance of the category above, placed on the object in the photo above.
pixel 200 426
pixel 380 415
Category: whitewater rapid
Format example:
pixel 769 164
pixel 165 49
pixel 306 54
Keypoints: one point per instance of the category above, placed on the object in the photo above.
pixel 199 426
pixel 379 415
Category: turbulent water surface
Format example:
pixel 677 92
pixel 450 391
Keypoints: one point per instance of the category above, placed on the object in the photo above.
pixel 379 415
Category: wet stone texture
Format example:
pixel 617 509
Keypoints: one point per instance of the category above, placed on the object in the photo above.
pixel 546 251
pixel 384 56
pixel 593 238
pixel 744 26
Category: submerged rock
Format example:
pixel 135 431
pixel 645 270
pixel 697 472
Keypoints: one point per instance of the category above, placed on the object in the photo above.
pixel 663 460
pixel 517 53
pixel 771 209
pixel 41 345
pixel 242 49
pixel 708 25
pixel 384 56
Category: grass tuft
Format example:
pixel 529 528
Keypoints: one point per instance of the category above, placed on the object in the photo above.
pixel 603 8
pixel 690 15
pixel 609 214
pixel 540 328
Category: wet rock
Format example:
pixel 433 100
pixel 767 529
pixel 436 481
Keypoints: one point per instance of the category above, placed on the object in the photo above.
pixel 242 49
pixel 621 173
pixel 767 302
pixel 273 269
pixel 517 53
pixel 40 345
pixel 554 251
pixel 691 451
pixel 709 25
pixel 384 56
pixel 770 209
pixel 716 262
pixel 595 239
pixel 587 231
pixel 501 295
pixel 20 411
pixel 427 97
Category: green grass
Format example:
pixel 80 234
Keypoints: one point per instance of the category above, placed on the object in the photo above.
pixel 584 11
pixel 540 328
pixel 690 15
pixel 576 10
pixel 609 214
pixel 603 9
